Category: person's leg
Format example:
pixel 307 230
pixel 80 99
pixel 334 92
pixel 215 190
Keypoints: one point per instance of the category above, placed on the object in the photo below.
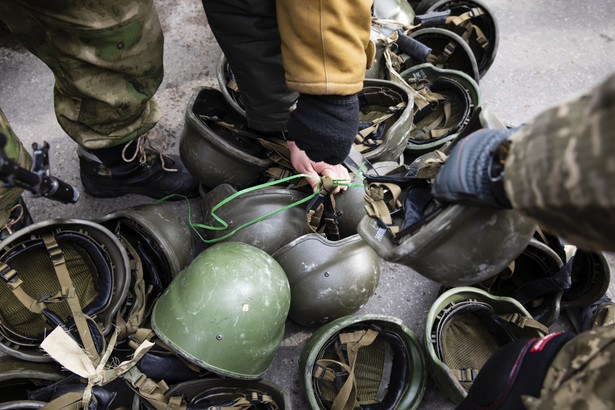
pixel 13 212
pixel 247 33
pixel 106 58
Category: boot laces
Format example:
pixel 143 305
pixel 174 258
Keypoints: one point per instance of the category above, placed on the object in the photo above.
pixel 141 150
pixel 8 226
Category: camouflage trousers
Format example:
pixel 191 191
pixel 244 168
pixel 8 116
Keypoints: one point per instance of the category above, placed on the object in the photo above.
pixel 581 376
pixel 107 60
pixel 106 57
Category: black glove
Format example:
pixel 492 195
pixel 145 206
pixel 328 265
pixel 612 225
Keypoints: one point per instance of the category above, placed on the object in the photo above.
pixel 473 172
pixel 325 126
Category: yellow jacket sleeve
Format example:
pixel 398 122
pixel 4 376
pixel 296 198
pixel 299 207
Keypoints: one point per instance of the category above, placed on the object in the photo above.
pixel 325 44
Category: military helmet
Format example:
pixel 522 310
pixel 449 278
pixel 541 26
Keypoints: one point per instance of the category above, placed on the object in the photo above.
pixel 160 237
pixel 448 50
pixel 374 358
pixel 216 146
pixel 385 117
pixel 536 278
pixel 350 204
pixel 465 327
pixel 328 279
pixel 450 244
pixel 228 86
pixel 590 277
pixel 226 310
pixel 476 24
pixel 443 107
pixel 216 392
pixel 19 377
pixel 268 234
pixel 42 261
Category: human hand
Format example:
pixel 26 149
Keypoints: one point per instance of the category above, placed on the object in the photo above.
pixel 304 165
pixel 473 172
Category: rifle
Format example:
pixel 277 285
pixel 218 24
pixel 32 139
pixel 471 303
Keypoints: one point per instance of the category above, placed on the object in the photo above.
pixel 38 180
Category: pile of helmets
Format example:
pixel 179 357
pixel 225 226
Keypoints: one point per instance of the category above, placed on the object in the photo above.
pixel 148 319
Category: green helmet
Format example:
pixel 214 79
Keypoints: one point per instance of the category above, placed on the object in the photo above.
pixel 226 310
pixel 448 50
pixel 449 98
pixel 216 392
pixel 328 279
pixel 229 87
pixel 19 377
pixel 385 117
pixel 476 24
pixel 41 264
pixel 590 277
pixel 465 327
pixel 160 237
pixel 536 278
pixel 268 234
pixel 450 244
pixel 216 146
pixel 385 361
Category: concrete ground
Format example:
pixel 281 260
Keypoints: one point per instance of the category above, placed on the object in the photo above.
pixel 548 50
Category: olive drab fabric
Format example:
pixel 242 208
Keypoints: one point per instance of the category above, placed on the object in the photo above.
pixel 325 45
pixel 566 155
pixel 15 150
pixel 106 57
pixel 580 376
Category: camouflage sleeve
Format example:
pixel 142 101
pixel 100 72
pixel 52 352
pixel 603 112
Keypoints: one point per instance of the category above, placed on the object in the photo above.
pixel 581 375
pixel 561 169
pixel 107 60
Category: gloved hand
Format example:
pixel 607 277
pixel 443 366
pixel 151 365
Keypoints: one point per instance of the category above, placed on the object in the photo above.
pixel 473 172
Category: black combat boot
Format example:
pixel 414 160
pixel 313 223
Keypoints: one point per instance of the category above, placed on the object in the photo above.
pixel 131 169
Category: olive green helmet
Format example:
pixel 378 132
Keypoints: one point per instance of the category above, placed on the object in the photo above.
pixel 476 24
pixel 215 145
pixel 536 278
pixel 465 327
pixel 590 277
pixel 226 310
pixel 450 244
pixel 448 50
pixel 350 204
pixel 217 393
pixel 160 237
pixel 377 356
pixel 228 86
pixel 19 377
pixel 47 257
pixel 385 117
pixel 443 107
pixel 268 234
pixel 328 279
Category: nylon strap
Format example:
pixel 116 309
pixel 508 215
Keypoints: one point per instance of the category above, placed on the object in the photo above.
pixel 351 342
pixel 70 294
pixel 14 283
pixel 67 401
pixel 136 315
pixel 523 321
pixel 376 206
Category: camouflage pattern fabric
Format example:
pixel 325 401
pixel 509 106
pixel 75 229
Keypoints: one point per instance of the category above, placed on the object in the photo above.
pixel 561 169
pixel 106 56
pixel 15 150
pixel 581 376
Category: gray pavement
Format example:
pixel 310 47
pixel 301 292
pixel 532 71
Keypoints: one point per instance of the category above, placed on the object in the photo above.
pixel 548 50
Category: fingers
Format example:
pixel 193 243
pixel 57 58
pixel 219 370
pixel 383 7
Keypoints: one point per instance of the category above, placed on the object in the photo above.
pixel 335 172
pixel 304 165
